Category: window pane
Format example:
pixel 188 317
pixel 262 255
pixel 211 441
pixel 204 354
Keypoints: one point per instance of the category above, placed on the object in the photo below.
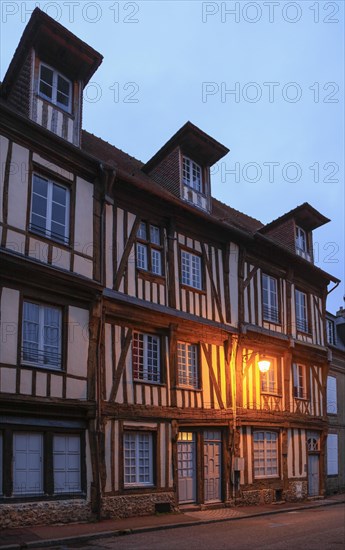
pixel 142 231
pixel 156 262
pixel 155 235
pixel 59 194
pixel 52 337
pixel 66 463
pixel 47 75
pixel 142 256
pixel 62 99
pixel 63 86
pixel 30 332
pixel 27 464
pixel 138 458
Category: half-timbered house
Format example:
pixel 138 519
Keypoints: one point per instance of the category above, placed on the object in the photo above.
pixel 139 315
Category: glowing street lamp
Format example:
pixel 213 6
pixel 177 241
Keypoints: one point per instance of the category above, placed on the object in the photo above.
pixel 264 364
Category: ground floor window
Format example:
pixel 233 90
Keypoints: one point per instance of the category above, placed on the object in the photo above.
pixel 265 454
pixel 41 463
pixel 138 458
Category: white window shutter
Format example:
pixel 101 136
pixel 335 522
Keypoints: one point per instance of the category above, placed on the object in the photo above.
pixel 331 395
pixel 332 454
pixel 27 464
pixel 67 472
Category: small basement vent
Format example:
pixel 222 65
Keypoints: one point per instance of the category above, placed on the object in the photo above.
pixel 162 507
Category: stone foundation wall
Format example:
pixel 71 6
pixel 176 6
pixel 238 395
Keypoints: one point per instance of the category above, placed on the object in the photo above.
pixel 255 497
pixel 298 490
pixel 126 506
pixel 44 513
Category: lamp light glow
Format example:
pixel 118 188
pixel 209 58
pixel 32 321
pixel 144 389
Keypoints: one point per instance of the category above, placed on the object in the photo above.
pixel 264 364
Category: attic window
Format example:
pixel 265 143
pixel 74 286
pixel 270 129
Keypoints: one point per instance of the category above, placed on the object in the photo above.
pixel 55 87
pixel 192 174
pixel 301 239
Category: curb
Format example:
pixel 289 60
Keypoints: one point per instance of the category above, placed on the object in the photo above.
pixel 122 532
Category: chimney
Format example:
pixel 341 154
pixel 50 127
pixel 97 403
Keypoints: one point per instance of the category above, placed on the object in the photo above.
pixel 341 312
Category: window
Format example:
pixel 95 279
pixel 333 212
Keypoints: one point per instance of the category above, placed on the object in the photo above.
pixel 55 87
pixel 187 361
pixel 301 311
pixel 332 395
pixel 270 298
pixel 332 454
pixel 50 209
pixel 265 454
pixel 330 329
pixel 146 357
pixel 41 341
pixel 27 464
pixel 66 460
pixel 138 458
pixel 269 379
pixel 299 381
pixel 301 239
pixel 192 174
pixel 191 270
pixel 149 248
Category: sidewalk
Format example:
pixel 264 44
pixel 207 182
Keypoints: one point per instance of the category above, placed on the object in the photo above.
pixel 49 535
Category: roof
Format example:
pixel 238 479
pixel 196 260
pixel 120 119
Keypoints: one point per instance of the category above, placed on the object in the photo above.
pixel 193 141
pixel 52 40
pixel 304 214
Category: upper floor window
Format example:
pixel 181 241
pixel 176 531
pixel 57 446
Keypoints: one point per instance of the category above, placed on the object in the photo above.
pixel 146 357
pixel 332 406
pixel 301 239
pixel 330 328
pixel 138 458
pixel 55 87
pixel 332 454
pixel 42 335
pixel 149 248
pixel 191 270
pixel 187 363
pixel 50 209
pixel 299 381
pixel 270 298
pixel 269 379
pixel 265 454
pixel 192 174
pixel 301 311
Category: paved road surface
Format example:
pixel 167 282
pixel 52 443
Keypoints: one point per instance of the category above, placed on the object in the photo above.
pixel 313 529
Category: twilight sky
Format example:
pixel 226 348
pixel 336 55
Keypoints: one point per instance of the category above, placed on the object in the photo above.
pixel 265 78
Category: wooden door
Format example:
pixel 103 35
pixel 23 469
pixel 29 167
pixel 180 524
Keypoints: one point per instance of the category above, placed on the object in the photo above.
pixel 186 467
pixel 212 465
pixel 313 475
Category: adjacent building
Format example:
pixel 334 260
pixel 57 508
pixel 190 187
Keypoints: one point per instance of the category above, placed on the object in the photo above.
pixel 159 348
pixel 335 468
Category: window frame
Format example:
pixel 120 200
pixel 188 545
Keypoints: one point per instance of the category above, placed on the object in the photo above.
pixel 270 315
pixel 46 232
pixel 54 99
pixel 189 284
pixel 61 347
pixel 192 381
pixel 302 322
pixel 265 458
pixel 48 489
pixel 301 237
pixel 152 458
pixel 270 380
pixel 189 181
pixel 330 332
pixel 150 247
pixel 332 392
pixel 299 372
pixel 147 370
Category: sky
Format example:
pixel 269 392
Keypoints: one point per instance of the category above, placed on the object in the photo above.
pixel 265 78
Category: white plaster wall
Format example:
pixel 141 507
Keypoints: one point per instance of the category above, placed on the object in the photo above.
pixel 3 156
pixel 9 326
pixel 51 166
pixel 18 187
pixel 78 341
pixel 84 217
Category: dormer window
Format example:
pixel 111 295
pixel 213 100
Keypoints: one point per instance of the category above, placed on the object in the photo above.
pixel 55 87
pixel 192 174
pixel 301 243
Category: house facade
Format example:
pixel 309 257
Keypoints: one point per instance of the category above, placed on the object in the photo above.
pixel 335 448
pixel 138 315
